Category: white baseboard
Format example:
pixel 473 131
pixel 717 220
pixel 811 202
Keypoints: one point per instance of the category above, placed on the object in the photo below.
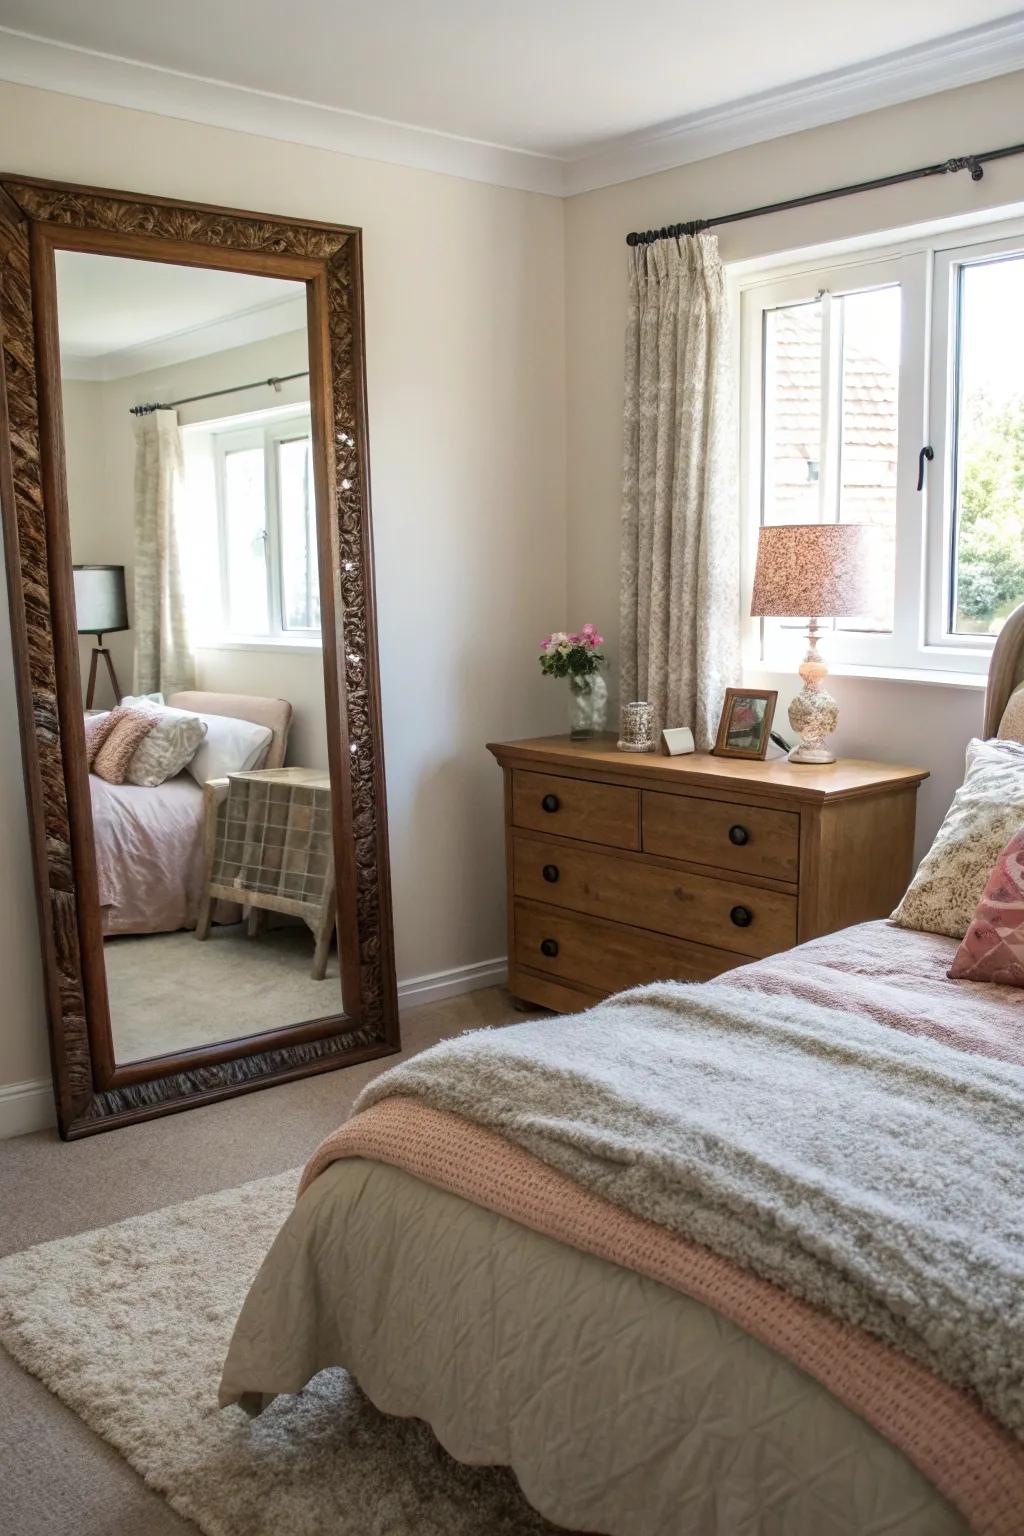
pixel 29 1106
pixel 26 1107
pixel 442 984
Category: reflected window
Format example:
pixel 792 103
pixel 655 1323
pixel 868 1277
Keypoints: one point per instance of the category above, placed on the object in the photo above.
pixel 251 511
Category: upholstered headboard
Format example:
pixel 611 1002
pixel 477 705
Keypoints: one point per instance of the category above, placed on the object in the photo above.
pixel 1006 671
pixel 275 713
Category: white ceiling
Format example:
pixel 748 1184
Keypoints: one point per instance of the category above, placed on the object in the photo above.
pixel 118 317
pixel 563 81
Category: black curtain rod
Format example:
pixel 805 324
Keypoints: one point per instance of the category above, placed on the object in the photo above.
pixel 214 394
pixel 972 163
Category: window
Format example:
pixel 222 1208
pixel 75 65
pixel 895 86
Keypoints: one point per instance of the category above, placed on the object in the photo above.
pixel 250 480
pixel 849 371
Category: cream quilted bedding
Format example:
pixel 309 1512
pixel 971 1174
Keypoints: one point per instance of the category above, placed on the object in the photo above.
pixel 623 1406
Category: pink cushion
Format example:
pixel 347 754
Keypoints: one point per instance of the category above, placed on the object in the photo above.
pixel 112 759
pixel 993 946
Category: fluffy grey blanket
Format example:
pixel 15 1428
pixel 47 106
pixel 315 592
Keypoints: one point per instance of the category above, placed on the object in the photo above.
pixel 876 1174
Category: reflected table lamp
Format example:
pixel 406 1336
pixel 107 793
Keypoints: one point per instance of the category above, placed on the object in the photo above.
pixel 101 608
pixel 813 571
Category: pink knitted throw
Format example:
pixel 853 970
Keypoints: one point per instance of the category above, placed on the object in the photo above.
pixel 971 1460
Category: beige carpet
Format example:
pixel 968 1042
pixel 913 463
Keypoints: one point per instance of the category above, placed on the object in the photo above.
pixel 57 1477
pixel 169 992
pixel 129 1326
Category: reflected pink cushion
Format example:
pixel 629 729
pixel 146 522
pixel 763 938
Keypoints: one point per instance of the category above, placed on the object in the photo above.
pixel 993 946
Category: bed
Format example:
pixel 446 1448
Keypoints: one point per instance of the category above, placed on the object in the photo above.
pixel 738 1257
pixel 149 841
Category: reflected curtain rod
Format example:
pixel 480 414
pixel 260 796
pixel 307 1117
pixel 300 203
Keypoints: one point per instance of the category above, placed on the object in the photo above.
pixel 972 163
pixel 214 394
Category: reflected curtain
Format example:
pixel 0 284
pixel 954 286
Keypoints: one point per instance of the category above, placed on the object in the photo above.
pixel 679 604
pixel 163 656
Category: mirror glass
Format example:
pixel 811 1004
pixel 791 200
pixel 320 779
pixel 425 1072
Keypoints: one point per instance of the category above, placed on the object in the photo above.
pixel 194 541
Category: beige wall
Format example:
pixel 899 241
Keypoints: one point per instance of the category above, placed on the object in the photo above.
pixel 894 720
pixel 465 372
pixel 480 325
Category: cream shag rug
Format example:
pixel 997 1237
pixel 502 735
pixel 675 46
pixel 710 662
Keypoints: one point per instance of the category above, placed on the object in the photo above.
pixel 129 1326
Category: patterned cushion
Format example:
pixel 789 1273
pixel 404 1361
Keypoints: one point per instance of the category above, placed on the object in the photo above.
pixel 169 747
pixel 987 809
pixel 1011 726
pixel 993 949
pixel 117 751
pixel 97 728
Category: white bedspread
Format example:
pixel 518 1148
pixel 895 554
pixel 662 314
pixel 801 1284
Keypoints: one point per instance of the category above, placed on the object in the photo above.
pixel 148 854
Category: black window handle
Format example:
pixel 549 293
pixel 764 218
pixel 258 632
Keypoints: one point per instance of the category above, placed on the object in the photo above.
pixel 549 947
pixel 739 835
pixel 550 873
pixel 550 803
pixel 741 916
pixel 926 453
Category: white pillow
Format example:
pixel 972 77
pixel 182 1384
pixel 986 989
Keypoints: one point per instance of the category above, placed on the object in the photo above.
pixel 168 748
pixel 231 746
pixel 987 810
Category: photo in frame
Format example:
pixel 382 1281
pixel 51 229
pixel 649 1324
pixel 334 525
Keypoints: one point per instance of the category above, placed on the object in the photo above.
pixel 744 729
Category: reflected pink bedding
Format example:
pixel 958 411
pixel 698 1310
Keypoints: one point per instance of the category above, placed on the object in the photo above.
pixel 148 854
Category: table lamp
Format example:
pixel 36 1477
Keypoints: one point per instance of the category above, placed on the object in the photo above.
pixel 101 608
pixel 813 571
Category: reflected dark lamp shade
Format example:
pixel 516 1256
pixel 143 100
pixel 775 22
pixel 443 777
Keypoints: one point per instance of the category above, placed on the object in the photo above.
pixel 101 606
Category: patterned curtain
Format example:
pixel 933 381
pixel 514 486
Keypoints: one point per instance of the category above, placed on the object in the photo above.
pixel 680 614
pixel 163 657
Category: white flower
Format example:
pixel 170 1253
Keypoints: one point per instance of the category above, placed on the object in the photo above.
pixel 559 637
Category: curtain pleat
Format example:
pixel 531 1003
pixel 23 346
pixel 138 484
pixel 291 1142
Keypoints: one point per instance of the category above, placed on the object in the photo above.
pixel 163 655
pixel 679 607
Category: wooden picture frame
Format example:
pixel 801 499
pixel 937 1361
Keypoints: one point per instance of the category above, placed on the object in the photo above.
pixel 37 218
pixel 731 730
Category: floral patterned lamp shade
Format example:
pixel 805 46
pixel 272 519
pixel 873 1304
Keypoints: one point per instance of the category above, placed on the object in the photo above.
pixel 814 571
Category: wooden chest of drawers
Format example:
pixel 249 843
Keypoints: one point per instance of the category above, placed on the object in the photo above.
pixel 627 868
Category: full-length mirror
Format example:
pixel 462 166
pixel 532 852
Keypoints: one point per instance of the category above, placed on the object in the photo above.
pixel 209 634
pixel 192 519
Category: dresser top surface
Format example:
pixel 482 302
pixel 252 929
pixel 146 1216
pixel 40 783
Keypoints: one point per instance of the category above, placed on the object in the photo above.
pixel 844 778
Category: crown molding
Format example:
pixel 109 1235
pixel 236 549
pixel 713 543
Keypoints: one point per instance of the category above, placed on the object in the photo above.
pixel 261 322
pixel 36 61
pixel 961 58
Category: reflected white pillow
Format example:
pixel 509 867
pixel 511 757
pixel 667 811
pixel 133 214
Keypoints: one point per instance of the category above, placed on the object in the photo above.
pixel 231 746
pixel 168 748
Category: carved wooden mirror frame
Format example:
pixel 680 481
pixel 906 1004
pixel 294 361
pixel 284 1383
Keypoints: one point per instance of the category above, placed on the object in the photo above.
pixel 36 219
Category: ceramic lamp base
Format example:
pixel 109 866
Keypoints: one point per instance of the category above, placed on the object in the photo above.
pixel 802 753
pixel 814 713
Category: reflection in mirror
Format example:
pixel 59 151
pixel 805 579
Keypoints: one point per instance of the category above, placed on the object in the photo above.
pixel 193 536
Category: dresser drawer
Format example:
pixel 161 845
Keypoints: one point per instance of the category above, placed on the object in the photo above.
pixel 595 813
pixel 722 833
pixel 606 957
pixel 723 913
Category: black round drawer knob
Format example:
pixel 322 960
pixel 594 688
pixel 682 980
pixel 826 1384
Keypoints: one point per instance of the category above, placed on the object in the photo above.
pixel 550 873
pixel 739 835
pixel 550 803
pixel 741 916
pixel 549 947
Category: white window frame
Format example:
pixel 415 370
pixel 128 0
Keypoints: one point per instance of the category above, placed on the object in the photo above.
pixel 266 430
pixel 920 645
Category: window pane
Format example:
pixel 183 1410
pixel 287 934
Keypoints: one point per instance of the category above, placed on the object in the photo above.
pixel 869 335
pixel 792 414
pixel 246 541
pixel 989 492
pixel 300 590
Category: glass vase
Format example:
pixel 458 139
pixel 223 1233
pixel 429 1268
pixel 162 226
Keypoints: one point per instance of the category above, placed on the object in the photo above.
pixel 588 706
